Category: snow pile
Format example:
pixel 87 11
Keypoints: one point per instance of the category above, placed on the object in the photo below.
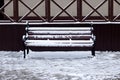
pixel 70 65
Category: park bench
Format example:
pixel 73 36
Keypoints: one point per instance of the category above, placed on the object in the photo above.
pixel 37 37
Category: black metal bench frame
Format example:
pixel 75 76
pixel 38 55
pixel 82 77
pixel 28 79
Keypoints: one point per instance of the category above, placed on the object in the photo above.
pixel 60 36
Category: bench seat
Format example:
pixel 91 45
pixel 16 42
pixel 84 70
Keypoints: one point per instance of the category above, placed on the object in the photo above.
pixel 60 43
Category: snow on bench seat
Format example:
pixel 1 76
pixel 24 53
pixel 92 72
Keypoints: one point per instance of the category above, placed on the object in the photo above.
pixel 60 43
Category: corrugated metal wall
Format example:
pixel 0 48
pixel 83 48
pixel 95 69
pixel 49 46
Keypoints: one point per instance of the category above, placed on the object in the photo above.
pixel 1 4
pixel 11 37
pixel 107 37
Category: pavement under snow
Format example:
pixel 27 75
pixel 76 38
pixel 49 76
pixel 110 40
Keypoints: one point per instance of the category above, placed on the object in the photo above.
pixel 69 65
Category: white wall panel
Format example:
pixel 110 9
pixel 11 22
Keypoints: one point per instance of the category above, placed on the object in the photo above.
pixel 54 9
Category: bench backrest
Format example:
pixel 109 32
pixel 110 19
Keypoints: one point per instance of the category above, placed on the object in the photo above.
pixel 59 33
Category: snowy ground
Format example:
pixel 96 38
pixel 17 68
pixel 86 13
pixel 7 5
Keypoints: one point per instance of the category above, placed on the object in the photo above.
pixel 73 65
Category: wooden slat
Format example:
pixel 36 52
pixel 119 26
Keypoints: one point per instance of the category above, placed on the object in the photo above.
pixel 59 43
pixel 60 28
pixel 16 10
pixel 59 32
pixel 59 37
pixel 79 10
pixel 110 9
pixel 47 10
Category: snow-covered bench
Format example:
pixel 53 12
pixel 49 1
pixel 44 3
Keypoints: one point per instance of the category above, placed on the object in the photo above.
pixel 36 37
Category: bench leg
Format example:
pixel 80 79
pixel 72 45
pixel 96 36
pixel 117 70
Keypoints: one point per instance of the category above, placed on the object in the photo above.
pixel 24 54
pixel 27 50
pixel 93 51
